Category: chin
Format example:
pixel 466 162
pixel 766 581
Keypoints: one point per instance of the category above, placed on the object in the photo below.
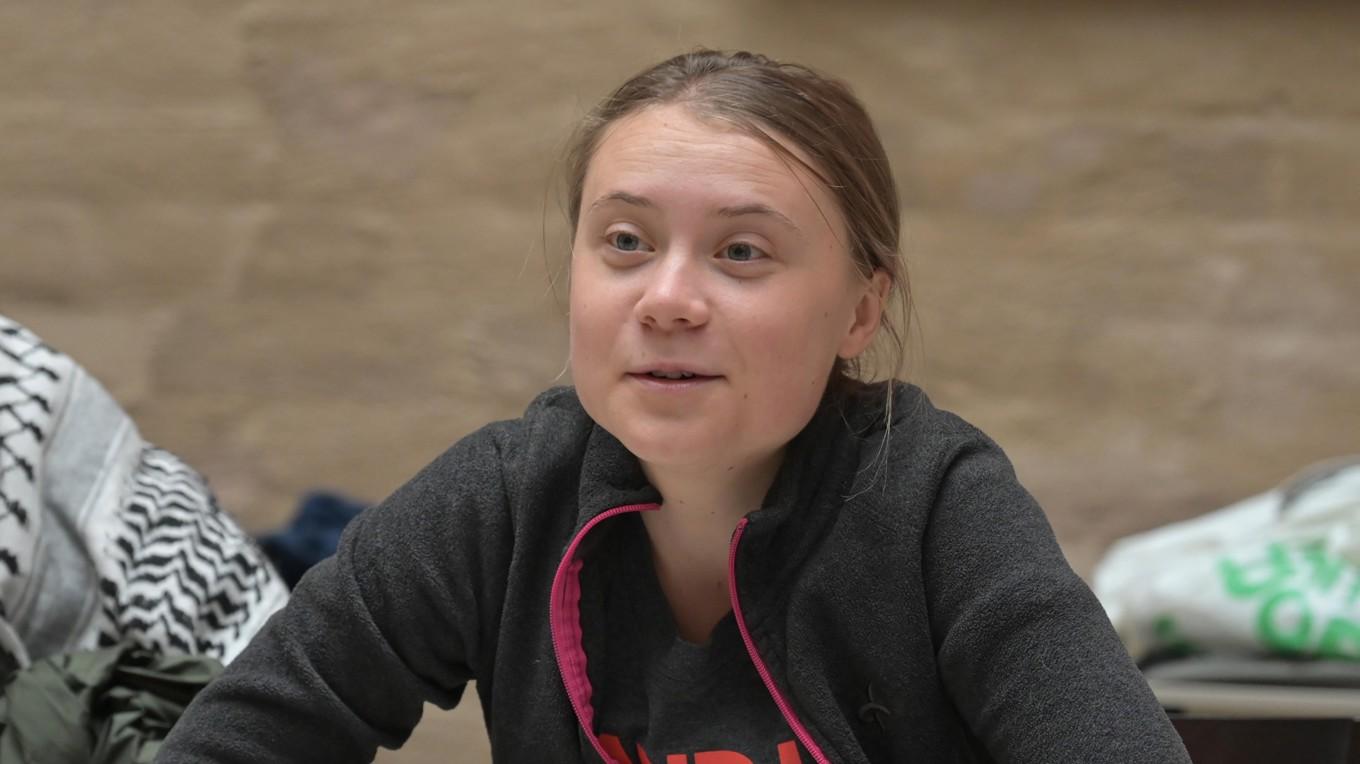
pixel 668 451
pixel 673 447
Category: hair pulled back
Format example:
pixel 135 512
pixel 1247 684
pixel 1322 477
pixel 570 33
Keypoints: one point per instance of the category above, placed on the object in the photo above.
pixel 764 98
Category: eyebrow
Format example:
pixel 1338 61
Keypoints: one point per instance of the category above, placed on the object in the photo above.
pixel 625 197
pixel 754 208
pixel 759 209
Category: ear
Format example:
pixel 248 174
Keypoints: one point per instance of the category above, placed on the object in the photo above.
pixel 868 315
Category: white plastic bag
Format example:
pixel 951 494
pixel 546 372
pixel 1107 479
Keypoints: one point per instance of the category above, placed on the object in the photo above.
pixel 1276 574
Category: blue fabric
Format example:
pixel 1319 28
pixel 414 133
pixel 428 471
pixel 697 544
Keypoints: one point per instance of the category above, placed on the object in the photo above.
pixel 312 536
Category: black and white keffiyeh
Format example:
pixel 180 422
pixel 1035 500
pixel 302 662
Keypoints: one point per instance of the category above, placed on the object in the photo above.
pixel 105 538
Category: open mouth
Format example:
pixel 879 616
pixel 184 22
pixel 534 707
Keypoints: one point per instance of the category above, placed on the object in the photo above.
pixel 677 378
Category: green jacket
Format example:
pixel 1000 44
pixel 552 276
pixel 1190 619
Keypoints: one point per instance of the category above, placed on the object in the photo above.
pixel 109 706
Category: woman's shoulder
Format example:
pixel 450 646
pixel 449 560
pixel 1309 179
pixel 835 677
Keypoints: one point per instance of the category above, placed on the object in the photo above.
pixel 912 451
pixel 559 409
pixel 482 479
pixel 912 424
pixel 554 417
pixel 552 431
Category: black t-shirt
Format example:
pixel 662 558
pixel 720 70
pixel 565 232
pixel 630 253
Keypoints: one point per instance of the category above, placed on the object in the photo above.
pixel 658 698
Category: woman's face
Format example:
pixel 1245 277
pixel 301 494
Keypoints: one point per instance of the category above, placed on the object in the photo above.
pixel 711 291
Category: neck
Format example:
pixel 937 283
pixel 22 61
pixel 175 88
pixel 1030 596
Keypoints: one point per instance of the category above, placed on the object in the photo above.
pixel 690 536
pixel 711 496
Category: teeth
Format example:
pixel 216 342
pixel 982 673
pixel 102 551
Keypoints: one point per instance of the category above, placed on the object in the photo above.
pixel 671 374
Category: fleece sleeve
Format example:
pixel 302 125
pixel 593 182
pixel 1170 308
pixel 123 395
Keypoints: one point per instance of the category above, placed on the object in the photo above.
pixel 399 615
pixel 1024 648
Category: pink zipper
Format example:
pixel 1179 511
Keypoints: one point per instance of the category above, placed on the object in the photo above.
pixel 785 708
pixel 564 602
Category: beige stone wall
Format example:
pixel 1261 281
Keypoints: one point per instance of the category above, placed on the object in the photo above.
pixel 304 243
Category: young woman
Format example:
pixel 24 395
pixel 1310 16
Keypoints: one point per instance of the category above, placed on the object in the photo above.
pixel 719 547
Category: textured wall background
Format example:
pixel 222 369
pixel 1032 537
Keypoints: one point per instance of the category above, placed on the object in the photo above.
pixel 305 244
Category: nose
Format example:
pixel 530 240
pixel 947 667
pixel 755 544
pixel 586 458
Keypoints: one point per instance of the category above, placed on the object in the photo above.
pixel 673 297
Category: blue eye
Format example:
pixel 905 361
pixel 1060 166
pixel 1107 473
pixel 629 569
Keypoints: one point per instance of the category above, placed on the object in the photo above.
pixel 741 252
pixel 625 242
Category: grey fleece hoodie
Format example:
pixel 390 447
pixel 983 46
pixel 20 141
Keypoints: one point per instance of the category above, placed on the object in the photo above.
pixel 903 605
